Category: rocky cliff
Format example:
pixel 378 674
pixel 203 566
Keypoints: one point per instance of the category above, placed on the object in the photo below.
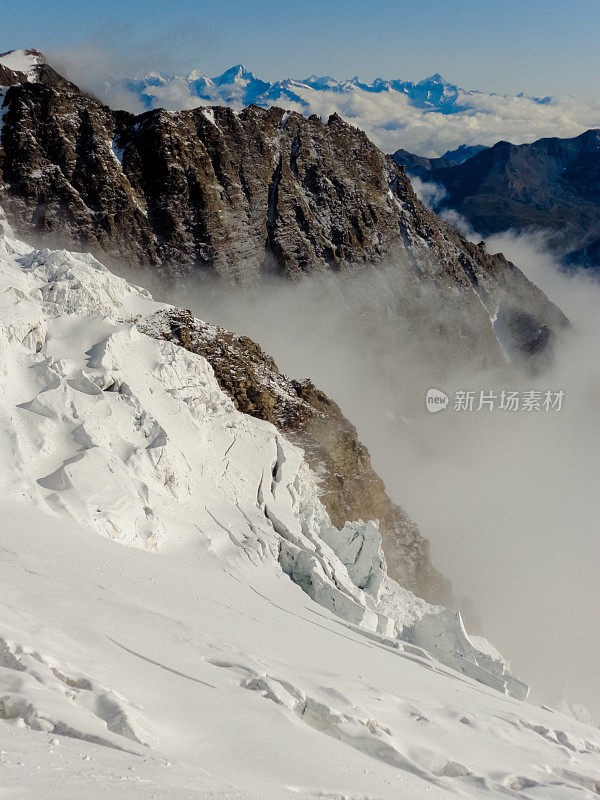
pixel 243 195
pixel 238 195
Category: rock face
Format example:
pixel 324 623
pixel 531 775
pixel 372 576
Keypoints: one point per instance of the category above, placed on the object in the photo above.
pixel 349 487
pixel 236 193
pixel 549 185
pixel 239 195
pixel 243 195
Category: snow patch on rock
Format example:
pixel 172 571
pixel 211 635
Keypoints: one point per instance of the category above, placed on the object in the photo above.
pixel 24 61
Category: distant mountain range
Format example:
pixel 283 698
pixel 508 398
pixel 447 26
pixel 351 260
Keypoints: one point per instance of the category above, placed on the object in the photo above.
pixel 551 185
pixel 238 85
pixel 421 165
pixel 429 116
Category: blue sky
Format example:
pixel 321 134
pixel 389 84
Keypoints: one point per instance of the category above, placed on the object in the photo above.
pixel 543 47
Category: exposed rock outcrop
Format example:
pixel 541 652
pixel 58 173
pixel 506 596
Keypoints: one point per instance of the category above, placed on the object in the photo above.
pixel 237 195
pixel 349 487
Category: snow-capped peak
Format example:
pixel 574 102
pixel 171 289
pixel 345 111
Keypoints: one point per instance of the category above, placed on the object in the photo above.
pixel 321 80
pixel 236 74
pixel 435 78
pixel 22 61
pixel 394 112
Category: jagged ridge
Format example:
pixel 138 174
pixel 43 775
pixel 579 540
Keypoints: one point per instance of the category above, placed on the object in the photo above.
pixel 240 195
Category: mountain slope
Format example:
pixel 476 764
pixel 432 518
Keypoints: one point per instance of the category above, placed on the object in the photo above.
pixel 237 193
pixel 180 618
pixel 248 194
pixel 421 166
pixel 348 485
pixel 549 185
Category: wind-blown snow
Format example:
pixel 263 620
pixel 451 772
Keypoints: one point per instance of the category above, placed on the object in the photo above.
pixel 21 61
pixel 189 658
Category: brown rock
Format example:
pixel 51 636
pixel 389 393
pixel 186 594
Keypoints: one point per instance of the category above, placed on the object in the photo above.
pixel 349 487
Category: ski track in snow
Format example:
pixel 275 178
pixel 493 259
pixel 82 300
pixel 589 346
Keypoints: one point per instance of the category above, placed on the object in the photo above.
pixel 178 616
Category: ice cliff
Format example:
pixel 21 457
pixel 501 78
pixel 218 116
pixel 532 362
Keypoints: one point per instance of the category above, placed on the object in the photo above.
pixel 131 437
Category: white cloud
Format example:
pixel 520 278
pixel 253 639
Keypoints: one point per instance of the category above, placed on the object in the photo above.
pixel 431 194
pixel 391 122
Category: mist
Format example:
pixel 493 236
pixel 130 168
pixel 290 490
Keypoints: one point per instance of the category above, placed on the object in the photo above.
pixel 509 501
pixel 100 63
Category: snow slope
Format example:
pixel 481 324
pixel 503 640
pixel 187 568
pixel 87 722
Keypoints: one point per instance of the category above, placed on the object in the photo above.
pixel 151 639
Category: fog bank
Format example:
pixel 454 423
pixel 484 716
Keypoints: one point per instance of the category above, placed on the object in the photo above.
pixel 509 501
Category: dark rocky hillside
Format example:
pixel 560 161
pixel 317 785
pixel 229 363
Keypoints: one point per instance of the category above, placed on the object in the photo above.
pixel 239 195
pixel 552 185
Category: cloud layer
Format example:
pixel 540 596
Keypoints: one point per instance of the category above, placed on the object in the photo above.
pixel 391 114
pixel 391 122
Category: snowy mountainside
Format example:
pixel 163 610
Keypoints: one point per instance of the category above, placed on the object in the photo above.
pixel 122 453
pixel 24 62
pixel 149 534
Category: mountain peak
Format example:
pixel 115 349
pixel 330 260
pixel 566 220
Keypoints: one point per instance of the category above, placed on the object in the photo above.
pixel 435 78
pixel 322 80
pixel 233 74
pixel 21 61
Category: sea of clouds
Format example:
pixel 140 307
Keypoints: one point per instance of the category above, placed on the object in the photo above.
pixel 392 122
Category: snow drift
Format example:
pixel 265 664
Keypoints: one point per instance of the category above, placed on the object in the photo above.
pixel 133 438
pixel 149 534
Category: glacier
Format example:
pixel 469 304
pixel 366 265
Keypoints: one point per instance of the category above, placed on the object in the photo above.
pixel 179 616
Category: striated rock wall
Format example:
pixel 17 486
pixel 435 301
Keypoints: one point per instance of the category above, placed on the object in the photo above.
pixel 238 195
